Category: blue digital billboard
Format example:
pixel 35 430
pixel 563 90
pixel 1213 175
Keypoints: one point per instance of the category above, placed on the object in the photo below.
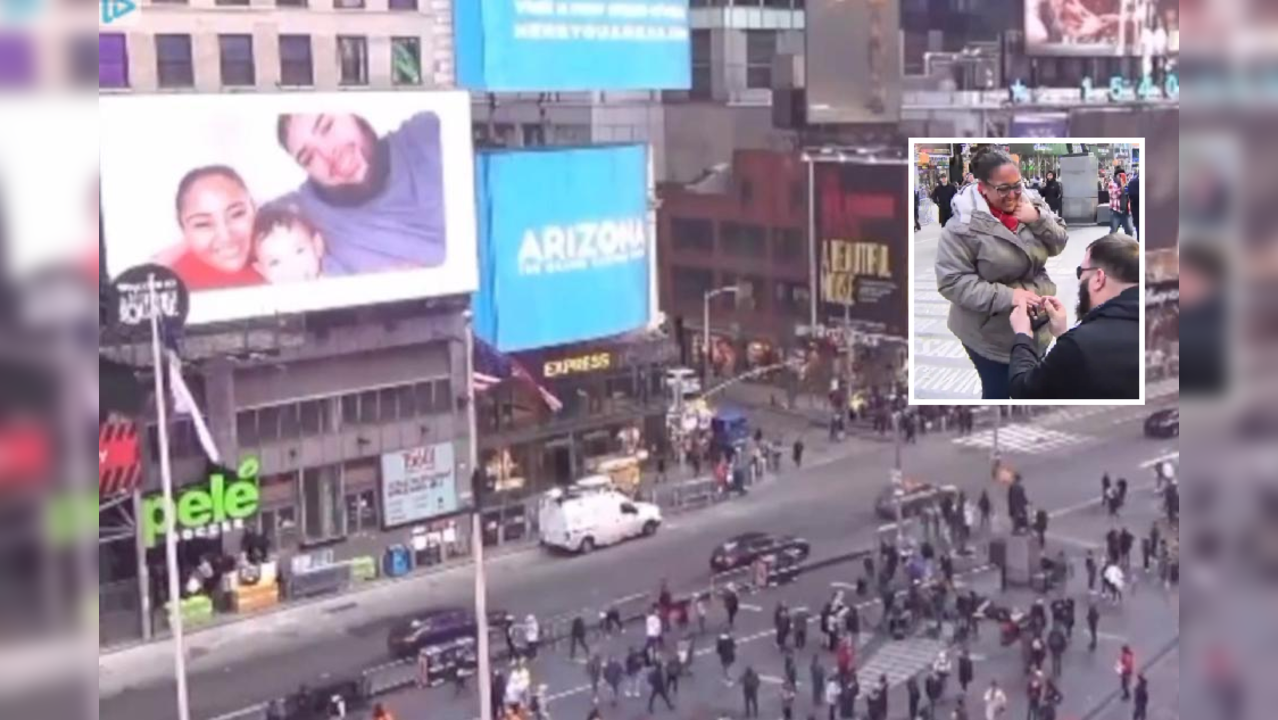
pixel 565 245
pixel 572 45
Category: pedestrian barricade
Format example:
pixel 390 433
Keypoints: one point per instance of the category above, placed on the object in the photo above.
pixel 390 677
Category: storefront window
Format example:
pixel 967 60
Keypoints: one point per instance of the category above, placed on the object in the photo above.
pixel 323 512
pixel 361 512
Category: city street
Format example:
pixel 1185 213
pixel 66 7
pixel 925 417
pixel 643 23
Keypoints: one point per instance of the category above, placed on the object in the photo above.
pixel 829 502
pixel 942 370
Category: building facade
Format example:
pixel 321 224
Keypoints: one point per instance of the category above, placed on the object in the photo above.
pixel 213 46
pixel 744 224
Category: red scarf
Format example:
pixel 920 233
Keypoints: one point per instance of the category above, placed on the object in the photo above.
pixel 1007 219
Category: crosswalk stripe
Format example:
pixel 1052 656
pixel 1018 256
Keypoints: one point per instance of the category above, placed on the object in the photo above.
pixel 1027 439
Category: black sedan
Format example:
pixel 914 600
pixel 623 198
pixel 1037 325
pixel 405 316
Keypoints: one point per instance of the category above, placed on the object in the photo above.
pixel 1163 424
pixel 439 627
pixel 742 550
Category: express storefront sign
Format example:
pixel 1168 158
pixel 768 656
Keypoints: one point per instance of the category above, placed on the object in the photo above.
pixel 578 365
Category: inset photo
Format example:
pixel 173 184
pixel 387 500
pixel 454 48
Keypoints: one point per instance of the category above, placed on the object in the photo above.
pixel 1027 272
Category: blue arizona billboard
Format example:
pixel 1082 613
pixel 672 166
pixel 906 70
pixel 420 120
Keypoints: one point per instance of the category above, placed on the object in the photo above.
pixel 567 45
pixel 565 250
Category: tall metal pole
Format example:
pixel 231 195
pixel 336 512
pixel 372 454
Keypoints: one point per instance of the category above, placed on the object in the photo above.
pixel 477 535
pixel 898 482
pixel 813 244
pixel 705 341
pixel 170 514
pixel 995 451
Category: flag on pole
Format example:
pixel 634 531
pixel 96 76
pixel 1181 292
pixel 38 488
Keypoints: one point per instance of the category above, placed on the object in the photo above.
pixel 183 399
pixel 184 404
pixel 492 368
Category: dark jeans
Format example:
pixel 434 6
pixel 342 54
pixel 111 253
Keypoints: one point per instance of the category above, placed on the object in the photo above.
pixel 995 384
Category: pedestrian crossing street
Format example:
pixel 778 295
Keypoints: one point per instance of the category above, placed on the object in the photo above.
pixel 900 661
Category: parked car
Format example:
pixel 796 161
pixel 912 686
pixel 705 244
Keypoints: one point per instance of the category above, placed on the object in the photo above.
pixel 439 627
pixel 743 550
pixel 918 495
pixel 1163 424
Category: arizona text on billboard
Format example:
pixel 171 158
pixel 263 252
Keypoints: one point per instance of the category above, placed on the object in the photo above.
pixel 566 248
pixel 291 203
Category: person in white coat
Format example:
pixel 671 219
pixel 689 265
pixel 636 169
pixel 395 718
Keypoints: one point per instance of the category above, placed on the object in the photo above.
pixel 995 702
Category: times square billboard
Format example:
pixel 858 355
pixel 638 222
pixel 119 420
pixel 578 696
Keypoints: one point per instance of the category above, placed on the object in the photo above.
pixel 862 223
pixel 274 204
pixel 854 62
pixel 1094 28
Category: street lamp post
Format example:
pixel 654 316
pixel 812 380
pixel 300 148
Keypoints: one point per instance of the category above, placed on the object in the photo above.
pixel 898 483
pixel 705 329
pixel 484 662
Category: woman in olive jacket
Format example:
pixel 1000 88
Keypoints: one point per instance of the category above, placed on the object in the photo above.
pixel 993 256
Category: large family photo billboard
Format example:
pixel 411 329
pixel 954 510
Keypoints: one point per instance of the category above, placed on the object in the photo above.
pixel 271 204
pixel 854 62
pixel 566 248
pixel 572 45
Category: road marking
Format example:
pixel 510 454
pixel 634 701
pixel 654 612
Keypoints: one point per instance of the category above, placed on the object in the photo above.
pixel 751 608
pixel 771 680
pixel 254 710
pixel 1160 460
pixel 1095 502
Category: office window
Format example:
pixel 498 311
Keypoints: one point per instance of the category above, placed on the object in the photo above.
pixel 387 405
pixel 691 284
pixel 407 402
pixel 238 68
pixel 231 3
pixel 113 60
pixel 352 55
pixel 406 61
pixel 348 4
pixel 314 417
pixel 693 235
pixel 296 68
pixel 368 407
pixel 701 64
pixel 787 246
pixel 173 61
pixel 291 3
pixel 761 48
pixel 402 4
pixel 17 60
pixel 743 240
pixel 246 428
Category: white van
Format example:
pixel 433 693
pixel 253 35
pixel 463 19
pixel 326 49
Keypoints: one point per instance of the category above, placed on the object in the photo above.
pixel 591 514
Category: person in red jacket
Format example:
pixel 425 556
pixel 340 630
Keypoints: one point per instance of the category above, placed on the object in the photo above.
pixel 1126 669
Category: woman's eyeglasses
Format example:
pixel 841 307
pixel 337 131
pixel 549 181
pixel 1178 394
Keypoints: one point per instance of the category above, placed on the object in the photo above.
pixel 1005 190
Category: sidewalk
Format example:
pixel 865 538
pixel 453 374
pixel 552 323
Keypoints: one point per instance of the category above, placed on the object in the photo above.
pixel 942 370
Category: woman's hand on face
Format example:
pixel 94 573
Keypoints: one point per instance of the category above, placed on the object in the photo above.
pixel 1026 212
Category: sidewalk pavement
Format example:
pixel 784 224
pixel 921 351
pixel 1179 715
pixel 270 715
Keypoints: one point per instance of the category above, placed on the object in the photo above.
pixel 942 370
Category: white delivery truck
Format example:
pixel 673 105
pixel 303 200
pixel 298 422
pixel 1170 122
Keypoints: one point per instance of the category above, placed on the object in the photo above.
pixel 591 513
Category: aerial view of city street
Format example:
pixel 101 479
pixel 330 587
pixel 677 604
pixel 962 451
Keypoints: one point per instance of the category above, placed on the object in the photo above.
pixel 600 359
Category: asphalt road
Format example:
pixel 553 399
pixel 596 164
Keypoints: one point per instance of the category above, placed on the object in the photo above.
pixel 830 504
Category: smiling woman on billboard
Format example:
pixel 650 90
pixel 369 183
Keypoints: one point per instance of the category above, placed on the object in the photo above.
pixel 276 198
